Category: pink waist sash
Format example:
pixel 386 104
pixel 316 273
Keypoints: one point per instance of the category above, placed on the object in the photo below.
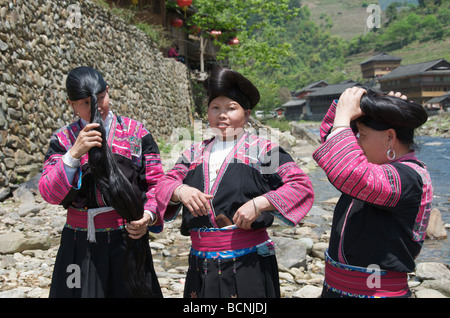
pixel 216 240
pixel 362 282
pixel 109 219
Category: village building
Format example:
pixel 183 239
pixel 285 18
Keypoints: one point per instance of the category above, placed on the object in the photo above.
pixel 379 65
pixel 320 100
pixel 305 91
pixel 441 103
pixel 295 108
pixel 420 82
pixel 426 83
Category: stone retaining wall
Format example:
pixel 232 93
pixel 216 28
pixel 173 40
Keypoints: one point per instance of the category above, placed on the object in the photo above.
pixel 41 41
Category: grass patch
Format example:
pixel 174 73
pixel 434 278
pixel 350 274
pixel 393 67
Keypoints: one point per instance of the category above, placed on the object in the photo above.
pixel 282 125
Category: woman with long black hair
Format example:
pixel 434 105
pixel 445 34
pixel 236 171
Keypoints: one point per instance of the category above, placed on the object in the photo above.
pixel 103 168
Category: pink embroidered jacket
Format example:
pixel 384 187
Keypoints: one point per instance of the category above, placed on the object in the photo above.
pixel 383 213
pixel 135 151
pixel 254 167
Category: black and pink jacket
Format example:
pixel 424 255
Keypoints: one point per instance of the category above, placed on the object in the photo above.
pixel 136 153
pixel 383 212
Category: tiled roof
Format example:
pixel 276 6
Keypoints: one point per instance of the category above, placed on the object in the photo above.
pixel 416 69
pixel 382 57
pixel 334 89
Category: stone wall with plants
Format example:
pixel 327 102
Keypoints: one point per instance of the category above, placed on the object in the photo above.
pixel 41 41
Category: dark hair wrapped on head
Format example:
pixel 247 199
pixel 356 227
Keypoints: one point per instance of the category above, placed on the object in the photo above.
pixel 382 112
pixel 225 82
pixel 83 82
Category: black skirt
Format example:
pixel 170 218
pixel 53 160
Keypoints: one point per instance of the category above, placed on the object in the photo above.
pixel 247 276
pixel 95 270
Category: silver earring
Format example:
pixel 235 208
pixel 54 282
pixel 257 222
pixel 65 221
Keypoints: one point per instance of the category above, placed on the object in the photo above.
pixel 249 125
pixel 390 154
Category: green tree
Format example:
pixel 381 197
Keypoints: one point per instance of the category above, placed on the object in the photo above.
pixel 391 13
pixel 244 20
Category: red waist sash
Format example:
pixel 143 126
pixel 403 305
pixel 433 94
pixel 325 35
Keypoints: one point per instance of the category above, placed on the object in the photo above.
pixel 364 282
pixel 216 240
pixel 78 219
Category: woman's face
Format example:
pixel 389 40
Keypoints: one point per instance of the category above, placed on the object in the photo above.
pixel 374 143
pixel 226 117
pixel 82 107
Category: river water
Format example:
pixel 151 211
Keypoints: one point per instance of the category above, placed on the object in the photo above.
pixel 435 153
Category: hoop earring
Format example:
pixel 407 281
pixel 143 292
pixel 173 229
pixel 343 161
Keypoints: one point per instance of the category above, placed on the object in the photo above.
pixel 75 117
pixel 249 124
pixel 390 154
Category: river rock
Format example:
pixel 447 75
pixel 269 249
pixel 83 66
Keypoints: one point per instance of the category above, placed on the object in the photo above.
pixel 318 250
pixel 428 293
pixel 13 293
pixel 302 133
pixel 440 285
pixel 290 252
pixel 4 193
pixel 436 228
pixel 29 208
pixel 432 270
pixel 308 291
pixel 14 242
pixel 23 195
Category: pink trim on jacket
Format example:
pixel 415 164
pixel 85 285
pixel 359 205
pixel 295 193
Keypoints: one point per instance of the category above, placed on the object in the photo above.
pixel 348 170
pixel 293 199
pixel 53 184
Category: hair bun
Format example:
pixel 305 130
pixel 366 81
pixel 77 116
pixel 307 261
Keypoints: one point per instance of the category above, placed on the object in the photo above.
pixel 393 111
pixel 229 83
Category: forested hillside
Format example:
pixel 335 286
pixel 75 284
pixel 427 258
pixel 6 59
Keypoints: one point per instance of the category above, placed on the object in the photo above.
pixel 415 33
pixel 285 45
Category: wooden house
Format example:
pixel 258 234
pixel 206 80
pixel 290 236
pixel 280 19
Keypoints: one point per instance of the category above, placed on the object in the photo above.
pixel 379 65
pixel 319 101
pixel 305 91
pixel 420 82
pixel 441 103
pixel 295 108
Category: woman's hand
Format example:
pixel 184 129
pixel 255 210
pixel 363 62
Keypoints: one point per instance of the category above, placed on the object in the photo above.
pixel 250 211
pixel 348 108
pixel 398 94
pixel 138 228
pixel 196 201
pixel 87 138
